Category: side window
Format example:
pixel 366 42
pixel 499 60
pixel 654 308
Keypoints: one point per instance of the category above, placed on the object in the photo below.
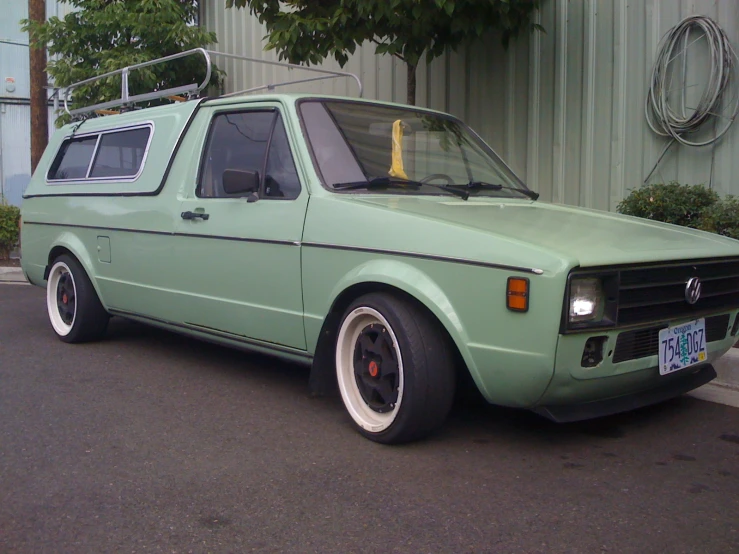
pixel 120 154
pixel 282 178
pixel 238 141
pixel 253 146
pixel 73 159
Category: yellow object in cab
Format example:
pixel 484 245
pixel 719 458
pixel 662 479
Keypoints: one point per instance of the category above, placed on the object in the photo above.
pixel 396 167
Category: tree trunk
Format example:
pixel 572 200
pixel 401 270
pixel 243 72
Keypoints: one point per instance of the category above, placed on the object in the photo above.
pixel 39 100
pixel 411 84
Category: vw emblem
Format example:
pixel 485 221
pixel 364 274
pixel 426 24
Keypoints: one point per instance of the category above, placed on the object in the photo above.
pixel 693 290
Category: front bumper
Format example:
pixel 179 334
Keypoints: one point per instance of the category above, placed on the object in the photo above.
pixel 670 387
pixel 576 392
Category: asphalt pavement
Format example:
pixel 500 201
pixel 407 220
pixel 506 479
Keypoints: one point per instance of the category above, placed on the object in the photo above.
pixel 152 442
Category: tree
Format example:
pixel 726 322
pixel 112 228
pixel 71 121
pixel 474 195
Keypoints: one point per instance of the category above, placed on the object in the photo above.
pixel 101 36
pixel 308 31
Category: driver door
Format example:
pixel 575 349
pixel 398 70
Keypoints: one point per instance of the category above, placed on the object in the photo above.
pixel 238 239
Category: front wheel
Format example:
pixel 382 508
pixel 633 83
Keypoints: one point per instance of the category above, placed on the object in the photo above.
pixel 394 369
pixel 75 311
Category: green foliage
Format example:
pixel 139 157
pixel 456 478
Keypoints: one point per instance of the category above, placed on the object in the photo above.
pixel 722 218
pixel 9 218
pixel 102 36
pixel 671 203
pixel 308 31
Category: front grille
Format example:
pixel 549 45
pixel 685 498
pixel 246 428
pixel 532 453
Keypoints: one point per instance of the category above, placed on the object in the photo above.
pixel 658 293
pixel 642 343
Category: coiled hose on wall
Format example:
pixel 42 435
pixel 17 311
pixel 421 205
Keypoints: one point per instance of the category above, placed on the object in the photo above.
pixel 663 117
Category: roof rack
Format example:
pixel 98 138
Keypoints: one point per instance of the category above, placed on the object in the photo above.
pixel 191 90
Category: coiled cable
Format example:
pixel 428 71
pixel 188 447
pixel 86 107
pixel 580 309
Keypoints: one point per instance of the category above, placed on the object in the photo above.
pixel 668 121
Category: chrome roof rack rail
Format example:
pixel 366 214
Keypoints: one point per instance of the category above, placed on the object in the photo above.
pixel 194 88
pixel 126 98
pixel 327 74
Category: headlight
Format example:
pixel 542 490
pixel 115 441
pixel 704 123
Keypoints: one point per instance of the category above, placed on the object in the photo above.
pixel 586 300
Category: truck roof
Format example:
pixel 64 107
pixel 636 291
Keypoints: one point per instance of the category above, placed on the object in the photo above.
pixel 187 107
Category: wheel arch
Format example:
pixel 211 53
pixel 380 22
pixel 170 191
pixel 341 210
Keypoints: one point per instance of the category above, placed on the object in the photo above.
pixel 414 286
pixel 69 244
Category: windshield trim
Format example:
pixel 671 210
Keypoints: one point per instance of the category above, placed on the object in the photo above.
pixel 442 115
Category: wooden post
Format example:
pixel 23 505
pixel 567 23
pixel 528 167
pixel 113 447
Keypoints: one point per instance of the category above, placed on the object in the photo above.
pixel 38 81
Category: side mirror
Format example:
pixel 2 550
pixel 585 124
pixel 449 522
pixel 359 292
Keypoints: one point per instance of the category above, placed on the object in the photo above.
pixel 240 181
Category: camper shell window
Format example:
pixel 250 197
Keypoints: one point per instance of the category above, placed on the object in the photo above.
pixel 108 155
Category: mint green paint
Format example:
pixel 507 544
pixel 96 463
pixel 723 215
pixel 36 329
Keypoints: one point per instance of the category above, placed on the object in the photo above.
pixel 572 383
pixel 278 289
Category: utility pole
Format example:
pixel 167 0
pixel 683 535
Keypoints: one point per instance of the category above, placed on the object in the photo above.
pixel 39 101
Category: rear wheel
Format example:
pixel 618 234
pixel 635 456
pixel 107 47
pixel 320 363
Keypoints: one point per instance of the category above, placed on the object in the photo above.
pixel 75 311
pixel 394 369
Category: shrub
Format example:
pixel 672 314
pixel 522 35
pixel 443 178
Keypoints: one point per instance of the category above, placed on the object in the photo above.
pixel 722 218
pixel 9 230
pixel 671 203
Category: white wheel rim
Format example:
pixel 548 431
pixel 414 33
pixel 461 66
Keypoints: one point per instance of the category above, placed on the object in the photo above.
pixel 351 330
pixel 60 271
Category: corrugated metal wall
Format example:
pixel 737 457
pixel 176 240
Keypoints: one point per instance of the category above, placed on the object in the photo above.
pixel 15 113
pixel 588 139
pixel 15 149
pixel 565 108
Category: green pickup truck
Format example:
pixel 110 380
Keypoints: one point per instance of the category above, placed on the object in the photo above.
pixel 386 247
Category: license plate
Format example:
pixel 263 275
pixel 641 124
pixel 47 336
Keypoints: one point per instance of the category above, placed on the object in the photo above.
pixel 682 346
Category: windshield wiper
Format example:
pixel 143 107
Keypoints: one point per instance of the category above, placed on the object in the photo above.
pixel 382 182
pixel 477 185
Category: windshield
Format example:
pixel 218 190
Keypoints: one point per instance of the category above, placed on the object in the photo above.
pixel 355 142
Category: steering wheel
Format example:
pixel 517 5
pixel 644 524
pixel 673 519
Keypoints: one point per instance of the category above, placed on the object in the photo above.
pixel 434 176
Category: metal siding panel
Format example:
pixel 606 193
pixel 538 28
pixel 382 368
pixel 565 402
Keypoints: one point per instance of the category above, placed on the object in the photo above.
pixel 588 120
pixel 384 78
pixel 618 129
pixel 368 71
pixel 15 151
pixel 493 104
pixel 574 104
pixel 436 83
pixel 457 84
pixel 400 71
pixel 603 98
pixel 560 103
pixel 693 164
pixel 650 149
pixel 519 112
pixel 726 163
pixel 669 167
pixel 487 109
pixel 509 114
pixel 477 97
pixel 546 104
pixel 534 104
pixel 636 91
pixel 13 12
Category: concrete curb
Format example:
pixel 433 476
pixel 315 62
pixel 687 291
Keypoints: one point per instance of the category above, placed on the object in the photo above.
pixel 12 275
pixel 724 389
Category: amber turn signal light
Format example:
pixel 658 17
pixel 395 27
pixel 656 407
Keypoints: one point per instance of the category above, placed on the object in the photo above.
pixel 517 297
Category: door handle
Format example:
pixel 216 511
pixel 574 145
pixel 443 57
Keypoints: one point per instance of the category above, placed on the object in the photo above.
pixel 195 215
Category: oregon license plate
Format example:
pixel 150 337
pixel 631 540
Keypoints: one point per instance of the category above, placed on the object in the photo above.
pixel 682 346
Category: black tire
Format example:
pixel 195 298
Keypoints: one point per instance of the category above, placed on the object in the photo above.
pixel 74 309
pixel 408 392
